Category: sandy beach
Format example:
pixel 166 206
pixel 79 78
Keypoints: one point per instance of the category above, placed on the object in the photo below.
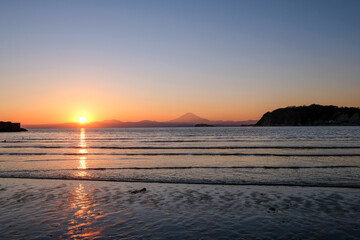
pixel 62 209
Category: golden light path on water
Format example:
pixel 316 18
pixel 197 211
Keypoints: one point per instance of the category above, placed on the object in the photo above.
pixel 82 206
pixel 82 152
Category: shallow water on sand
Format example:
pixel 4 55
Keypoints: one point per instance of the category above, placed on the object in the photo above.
pixel 48 209
pixel 304 156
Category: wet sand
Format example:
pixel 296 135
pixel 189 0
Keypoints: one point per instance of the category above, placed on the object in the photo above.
pixel 48 209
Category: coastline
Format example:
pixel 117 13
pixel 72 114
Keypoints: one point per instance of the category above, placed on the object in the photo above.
pixel 33 208
pixel 205 183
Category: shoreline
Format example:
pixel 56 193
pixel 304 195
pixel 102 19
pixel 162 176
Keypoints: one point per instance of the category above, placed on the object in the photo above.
pixel 188 183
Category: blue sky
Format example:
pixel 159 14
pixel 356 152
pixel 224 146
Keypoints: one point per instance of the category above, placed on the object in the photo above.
pixel 158 59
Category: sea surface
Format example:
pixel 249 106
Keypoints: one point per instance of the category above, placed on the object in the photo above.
pixel 293 156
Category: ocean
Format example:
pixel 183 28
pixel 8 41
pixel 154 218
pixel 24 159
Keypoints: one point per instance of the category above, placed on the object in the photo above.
pixel 181 183
pixel 291 156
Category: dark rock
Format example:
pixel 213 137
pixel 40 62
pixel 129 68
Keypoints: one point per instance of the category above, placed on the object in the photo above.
pixel 272 209
pixel 203 125
pixel 11 127
pixel 138 191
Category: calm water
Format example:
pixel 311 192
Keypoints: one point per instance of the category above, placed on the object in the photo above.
pixel 315 156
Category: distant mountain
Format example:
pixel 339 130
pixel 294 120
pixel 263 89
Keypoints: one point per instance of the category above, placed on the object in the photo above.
pixel 108 123
pixel 189 118
pixel 186 120
pixel 313 115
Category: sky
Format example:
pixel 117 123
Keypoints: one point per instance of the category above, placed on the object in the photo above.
pixel 156 60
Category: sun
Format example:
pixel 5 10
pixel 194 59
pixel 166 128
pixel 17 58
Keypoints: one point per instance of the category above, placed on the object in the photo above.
pixel 82 119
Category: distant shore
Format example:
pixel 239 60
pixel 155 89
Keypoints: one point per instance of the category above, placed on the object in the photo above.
pixel 11 127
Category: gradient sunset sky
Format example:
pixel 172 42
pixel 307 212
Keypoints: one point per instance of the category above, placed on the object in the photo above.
pixel 156 60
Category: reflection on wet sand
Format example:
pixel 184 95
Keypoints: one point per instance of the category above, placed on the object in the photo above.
pixel 82 152
pixel 83 214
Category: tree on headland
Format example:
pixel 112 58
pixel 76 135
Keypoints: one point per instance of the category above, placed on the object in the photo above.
pixel 313 115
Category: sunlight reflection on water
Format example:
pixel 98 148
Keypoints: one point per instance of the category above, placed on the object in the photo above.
pixel 82 143
pixel 82 158
pixel 84 214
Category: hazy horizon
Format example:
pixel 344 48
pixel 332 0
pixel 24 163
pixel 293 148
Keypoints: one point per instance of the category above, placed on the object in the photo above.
pixel 156 60
pixel 175 120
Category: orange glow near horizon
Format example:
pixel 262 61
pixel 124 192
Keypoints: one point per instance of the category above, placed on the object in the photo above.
pixel 68 106
pixel 134 111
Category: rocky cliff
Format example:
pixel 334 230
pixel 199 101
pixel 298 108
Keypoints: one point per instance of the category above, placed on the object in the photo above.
pixel 313 115
pixel 10 127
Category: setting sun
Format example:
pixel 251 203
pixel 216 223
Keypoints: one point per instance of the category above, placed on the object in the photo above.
pixel 82 119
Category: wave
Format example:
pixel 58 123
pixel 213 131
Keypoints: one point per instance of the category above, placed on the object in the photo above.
pixel 72 159
pixel 77 139
pixel 187 148
pixel 140 140
pixel 195 154
pixel 202 182
pixel 220 167
pixel 26 154
pixel 187 167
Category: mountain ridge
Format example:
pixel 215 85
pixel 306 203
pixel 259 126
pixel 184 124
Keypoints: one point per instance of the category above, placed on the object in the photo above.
pixel 189 118
pixel 186 120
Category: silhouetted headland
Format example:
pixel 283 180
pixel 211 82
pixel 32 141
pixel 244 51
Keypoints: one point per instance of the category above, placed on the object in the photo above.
pixel 11 127
pixel 313 115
